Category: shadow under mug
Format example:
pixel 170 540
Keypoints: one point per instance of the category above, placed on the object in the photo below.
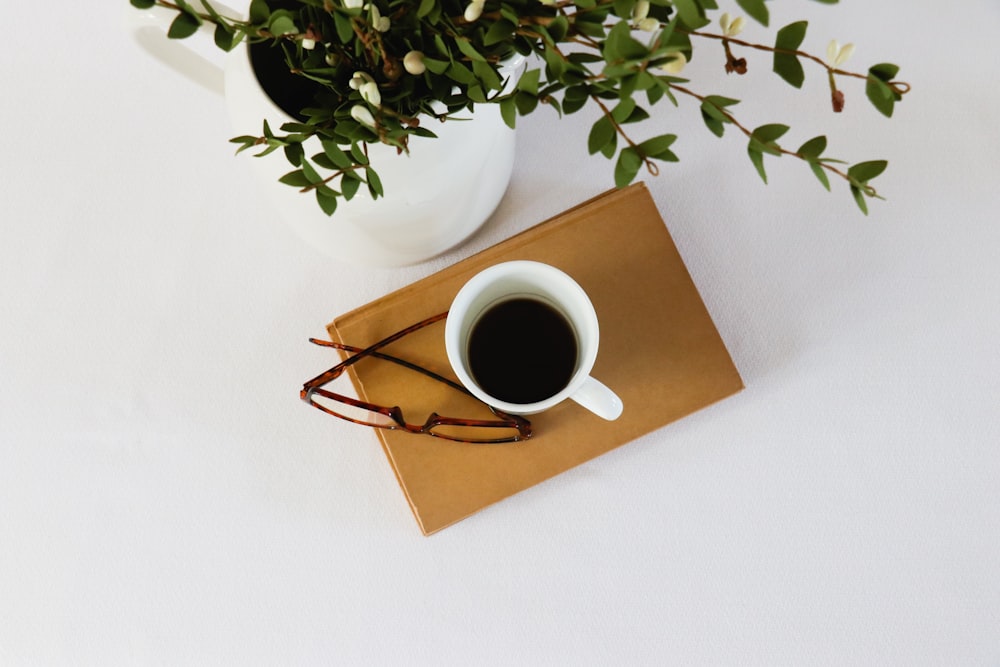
pixel 549 285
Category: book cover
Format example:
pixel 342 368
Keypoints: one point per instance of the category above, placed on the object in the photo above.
pixel 659 351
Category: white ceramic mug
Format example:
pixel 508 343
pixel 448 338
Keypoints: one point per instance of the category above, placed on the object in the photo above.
pixel 545 283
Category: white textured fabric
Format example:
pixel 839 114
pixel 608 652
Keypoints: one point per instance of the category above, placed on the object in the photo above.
pixel 166 499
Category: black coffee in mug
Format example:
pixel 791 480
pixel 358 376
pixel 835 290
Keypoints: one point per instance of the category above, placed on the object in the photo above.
pixel 522 350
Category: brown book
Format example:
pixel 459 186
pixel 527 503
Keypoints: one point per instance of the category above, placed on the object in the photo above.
pixel 659 351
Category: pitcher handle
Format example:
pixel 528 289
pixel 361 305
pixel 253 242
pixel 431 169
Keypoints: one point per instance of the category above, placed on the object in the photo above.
pixel 599 399
pixel 148 28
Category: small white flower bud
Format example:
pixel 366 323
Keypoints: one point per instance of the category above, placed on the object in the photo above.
pixel 370 93
pixel 730 26
pixel 836 54
pixel 413 62
pixel 474 10
pixel 640 11
pixel 832 49
pixel 379 22
pixel 353 4
pixel 358 79
pixel 845 52
pixel 676 63
pixel 308 44
pixel 648 24
pixel 362 115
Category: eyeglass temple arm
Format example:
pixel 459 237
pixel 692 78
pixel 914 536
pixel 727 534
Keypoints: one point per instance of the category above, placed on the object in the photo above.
pixel 339 368
pixel 396 360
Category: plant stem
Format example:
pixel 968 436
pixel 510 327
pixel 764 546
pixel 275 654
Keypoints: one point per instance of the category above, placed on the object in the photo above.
pixel 900 87
pixel 868 190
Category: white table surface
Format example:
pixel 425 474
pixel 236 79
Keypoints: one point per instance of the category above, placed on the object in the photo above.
pixel 165 498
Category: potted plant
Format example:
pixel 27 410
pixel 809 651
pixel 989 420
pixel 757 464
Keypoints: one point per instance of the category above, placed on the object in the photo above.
pixel 384 71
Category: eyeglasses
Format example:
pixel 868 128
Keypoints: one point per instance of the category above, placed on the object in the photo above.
pixel 506 428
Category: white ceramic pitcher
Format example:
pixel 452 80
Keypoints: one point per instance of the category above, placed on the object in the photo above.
pixel 435 197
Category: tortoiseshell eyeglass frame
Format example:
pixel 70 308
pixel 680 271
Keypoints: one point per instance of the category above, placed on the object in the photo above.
pixel 315 387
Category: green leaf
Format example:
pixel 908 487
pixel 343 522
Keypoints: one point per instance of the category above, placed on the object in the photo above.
pixel 349 185
pixel 435 66
pixel 246 141
pixel 259 11
pixel 720 101
pixel 620 45
pixel 526 102
pixel 529 81
pixel 374 183
pixel 466 47
pixel 508 110
pixel 485 73
pixel 476 93
pixel 757 157
pixel 358 153
pixel 499 32
pixel 756 9
pixel 326 202
pixel 322 161
pixel 225 38
pixel 309 172
pixel 554 64
pixel 425 8
pixel 601 134
pixel 609 148
pixel 623 110
pixel 296 179
pixel 884 71
pixel 770 133
pixel 813 148
pixel 345 30
pixel 183 25
pixel 281 23
pixel 143 4
pixel 627 167
pixel 294 153
pixel 637 116
pixel 859 197
pixel 866 171
pixel 820 172
pixel 790 37
pixel 878 90
pixel 764 138
pixel 711 113
pixel 659 148
pixel 575 98
pixel 558 28
pixel 713 124
pixel 789 68
pixel 336 154
pixel 691 14
pixel 623 8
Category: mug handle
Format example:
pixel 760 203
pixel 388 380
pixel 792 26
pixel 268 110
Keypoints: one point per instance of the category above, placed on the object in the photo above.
pixel 596 397
pixel 149 27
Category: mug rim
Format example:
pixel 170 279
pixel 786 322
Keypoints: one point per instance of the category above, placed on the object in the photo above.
pixel 457 357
